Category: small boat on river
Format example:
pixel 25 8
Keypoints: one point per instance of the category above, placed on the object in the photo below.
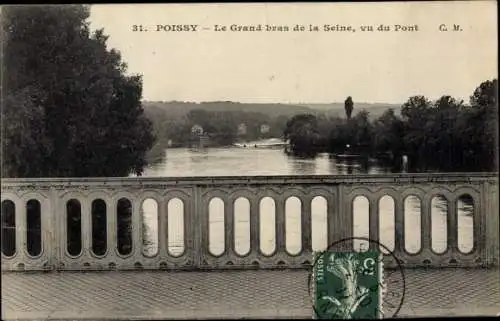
pixel 347 156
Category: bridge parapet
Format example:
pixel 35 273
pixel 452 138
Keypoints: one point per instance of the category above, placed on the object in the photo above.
pixel 58 223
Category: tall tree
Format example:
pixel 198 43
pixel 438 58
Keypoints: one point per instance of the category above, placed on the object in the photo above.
pixel 69 107
pixel 348 106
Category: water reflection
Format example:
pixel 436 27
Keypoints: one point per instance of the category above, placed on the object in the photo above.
pixel 465 222
pixel 439 223
pixel 412 223
pixel 149 214
pixel 466 205
pixel 263 161
pixel 267 228
pixel 386 223
pixel 304 166
pixel 360 221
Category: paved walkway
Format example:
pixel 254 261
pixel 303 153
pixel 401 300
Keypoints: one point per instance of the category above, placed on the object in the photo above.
pixel 228 294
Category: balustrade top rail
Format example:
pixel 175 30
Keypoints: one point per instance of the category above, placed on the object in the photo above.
pixel 262 179
pixel 54 222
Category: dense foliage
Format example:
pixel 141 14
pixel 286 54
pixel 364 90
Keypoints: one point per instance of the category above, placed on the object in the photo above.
pixel 445 134
pixel 68 107
pixel 303 133
pixel 221 126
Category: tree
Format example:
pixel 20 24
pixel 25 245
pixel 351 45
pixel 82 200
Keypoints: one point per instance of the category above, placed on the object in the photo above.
pixel 443 144
pixel 224 135
pixel 324 126
pixel 448 135
pixel 415 114
pixel 279 125
pixel 338 135
pixel 199 117
pixel 302 131
pixel 362 132
pixel 388 133
pixel 348 106
pixel 486 96
pixel 482 120
pixel 78 113
pixel 23 133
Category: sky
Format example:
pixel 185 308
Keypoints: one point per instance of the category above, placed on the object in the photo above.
pixel 305 67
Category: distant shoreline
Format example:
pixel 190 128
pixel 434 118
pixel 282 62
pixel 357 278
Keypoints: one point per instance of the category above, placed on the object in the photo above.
pixel 268 102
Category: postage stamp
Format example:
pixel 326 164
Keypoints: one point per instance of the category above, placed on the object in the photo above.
pixel 346 284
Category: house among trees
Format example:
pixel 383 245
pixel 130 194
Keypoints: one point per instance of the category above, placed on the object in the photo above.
pixel 199 139
pixel 197 130
pixel 242 129
pixel 264 129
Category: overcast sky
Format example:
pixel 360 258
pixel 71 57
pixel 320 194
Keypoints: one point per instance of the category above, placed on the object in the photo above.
pixel 312 67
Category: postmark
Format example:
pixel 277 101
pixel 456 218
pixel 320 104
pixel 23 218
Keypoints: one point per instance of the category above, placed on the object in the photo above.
pixel 345 284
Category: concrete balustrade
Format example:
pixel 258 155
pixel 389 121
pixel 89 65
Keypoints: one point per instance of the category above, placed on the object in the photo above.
pixel 98 223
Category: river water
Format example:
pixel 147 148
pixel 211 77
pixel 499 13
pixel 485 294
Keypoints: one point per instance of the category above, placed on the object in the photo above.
pixel 252 160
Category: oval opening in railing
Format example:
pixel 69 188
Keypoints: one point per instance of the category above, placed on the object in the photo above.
pixel 386 216
pixel 8 228
pixel 175 227
pixel 33 227
pixel 149 217
pixel 73 227
pixel 319 224
pixel 241 226
pixel 216 226
pixel 99 228
pixel 465 223
pixel 124 241
pixel 412 224
pixel 293 225
pixel 267 225
pixel 439 217
pixel 360 221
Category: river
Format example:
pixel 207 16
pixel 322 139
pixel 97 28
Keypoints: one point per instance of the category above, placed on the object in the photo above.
pixel 250 160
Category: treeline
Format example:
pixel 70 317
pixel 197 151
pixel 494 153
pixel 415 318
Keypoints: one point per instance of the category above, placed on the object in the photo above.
pixel 220 126
pixel 445 134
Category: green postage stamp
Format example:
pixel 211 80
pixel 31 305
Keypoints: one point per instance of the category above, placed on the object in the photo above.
pixel 348 285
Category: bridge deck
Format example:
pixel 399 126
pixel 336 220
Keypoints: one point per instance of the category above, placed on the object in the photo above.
pixel 228 294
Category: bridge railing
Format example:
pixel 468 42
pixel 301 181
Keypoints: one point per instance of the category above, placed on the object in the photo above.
pixel 99 223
